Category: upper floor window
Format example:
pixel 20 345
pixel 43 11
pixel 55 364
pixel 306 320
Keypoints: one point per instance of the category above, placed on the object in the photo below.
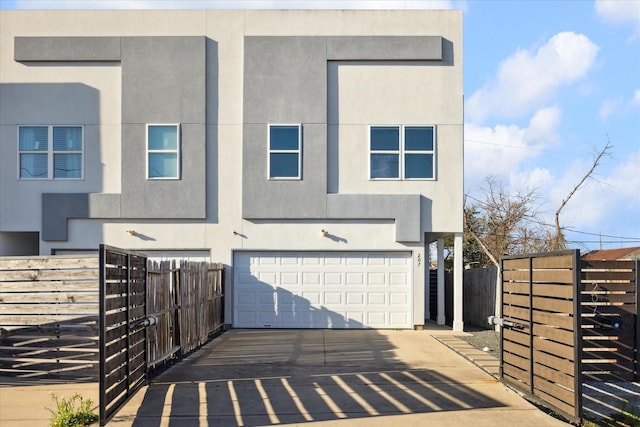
pixel 163 151
pixel 402 152
pixel 285 152
pixel 50 152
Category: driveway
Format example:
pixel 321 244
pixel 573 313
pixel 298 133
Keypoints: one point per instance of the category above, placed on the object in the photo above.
pixel 327 377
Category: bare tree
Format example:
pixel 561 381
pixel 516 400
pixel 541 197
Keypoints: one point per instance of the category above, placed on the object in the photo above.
pixel 503 223
pixel 557 240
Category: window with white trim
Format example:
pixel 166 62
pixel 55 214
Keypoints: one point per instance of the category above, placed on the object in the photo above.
pixel 401 152
pixel 163 151
pixel 50 152
pixel 285 152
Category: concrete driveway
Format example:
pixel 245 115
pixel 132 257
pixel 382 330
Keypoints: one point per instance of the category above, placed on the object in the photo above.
pixel 327 377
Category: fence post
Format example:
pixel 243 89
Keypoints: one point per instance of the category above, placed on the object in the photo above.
pixel 577 335
pixel 637 325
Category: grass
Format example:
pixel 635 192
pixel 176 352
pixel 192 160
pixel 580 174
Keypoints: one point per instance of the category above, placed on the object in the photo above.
pixel 628 416
pixel 72 412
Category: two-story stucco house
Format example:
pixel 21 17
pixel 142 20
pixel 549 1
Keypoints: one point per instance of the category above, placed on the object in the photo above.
pixel 316 153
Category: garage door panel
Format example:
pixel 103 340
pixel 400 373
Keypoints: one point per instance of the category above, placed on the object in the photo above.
pixel 246 317
pixel 377 319
pixel 312 297
pixel 289 279
pixel 333 279
pixel 377 279
pixel 333 298
pixel 376 298
pixel 355 298
pixel 311 278
pixel 246 298
pixel 322 290
pixel 398 279
pixel 398 298
pixel 268 277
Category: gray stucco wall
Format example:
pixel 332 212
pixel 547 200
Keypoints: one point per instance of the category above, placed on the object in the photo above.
pixel 164 80
pixel 285 82
pixel 67 49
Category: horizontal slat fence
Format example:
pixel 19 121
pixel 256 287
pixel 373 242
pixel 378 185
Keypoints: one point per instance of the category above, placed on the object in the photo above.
pixel 609 313
pixel 541 353
pixel 49 317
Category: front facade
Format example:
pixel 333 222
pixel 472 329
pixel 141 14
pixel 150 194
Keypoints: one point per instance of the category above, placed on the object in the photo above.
pixel 316 153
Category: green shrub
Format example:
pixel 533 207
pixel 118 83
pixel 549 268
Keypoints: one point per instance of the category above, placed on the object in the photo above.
pixel 74 412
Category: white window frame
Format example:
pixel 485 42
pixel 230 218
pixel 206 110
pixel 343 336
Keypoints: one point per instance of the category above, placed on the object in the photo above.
pixel 401 152
pixel 50 153
pixel 177 151
pixel 298 152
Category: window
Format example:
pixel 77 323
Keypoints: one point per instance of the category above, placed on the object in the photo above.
pixel 163 151
pixel 401 152
pixel 285 152
pixel 50 152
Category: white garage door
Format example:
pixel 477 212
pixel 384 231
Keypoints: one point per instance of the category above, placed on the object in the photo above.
pixel 322 290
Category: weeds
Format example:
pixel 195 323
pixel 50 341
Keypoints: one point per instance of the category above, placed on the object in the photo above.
pixel 74 412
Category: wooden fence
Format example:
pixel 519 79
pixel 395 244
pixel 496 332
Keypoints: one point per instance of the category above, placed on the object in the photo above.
pixel 187 301
pixel 610 335
pixel 479 295
pixel 541 345
pixel 49 313
pixel 49 317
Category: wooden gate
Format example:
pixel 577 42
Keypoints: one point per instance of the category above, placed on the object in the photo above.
pixel 541 338
pixel 123 317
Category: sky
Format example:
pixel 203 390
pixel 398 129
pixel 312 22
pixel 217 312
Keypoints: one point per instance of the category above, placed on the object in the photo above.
pixel 547 85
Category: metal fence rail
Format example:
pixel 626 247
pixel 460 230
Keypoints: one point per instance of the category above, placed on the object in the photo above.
pixel 123 311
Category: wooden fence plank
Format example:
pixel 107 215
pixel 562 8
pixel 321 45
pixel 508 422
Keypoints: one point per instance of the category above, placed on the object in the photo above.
pixel 47 262
pixel 515 264
pixel 553 261
pixel 38 275
pixel 553 276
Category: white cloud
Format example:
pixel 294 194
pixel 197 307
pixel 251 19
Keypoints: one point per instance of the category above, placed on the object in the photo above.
pixel 620 12
pixel 530 78
pixel 499 150
pixel 238 4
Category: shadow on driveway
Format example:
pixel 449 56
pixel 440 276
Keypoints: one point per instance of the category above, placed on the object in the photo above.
pixel 268 377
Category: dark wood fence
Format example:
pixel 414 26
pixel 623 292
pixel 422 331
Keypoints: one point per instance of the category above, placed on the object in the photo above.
pixel 541 344
pixel 49 317
pixel 187 301
pixel 479 295
pixel 609 315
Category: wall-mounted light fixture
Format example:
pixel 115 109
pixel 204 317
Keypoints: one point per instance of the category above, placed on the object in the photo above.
pixel 131 232
pixel 324 233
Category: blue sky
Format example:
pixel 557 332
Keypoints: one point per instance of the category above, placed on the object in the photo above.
pixel 547 84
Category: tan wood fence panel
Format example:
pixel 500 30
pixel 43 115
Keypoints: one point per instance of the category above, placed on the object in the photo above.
pixel 540 352
pixel 49 317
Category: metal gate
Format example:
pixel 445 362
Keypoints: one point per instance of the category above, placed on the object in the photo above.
pixel 123 317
